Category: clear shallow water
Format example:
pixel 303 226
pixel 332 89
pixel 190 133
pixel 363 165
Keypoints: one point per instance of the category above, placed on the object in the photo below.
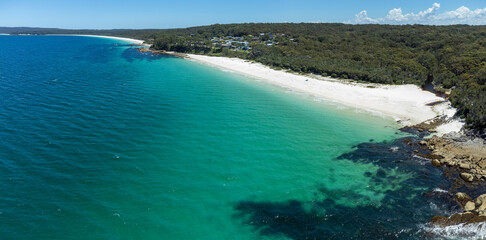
pixel 99 141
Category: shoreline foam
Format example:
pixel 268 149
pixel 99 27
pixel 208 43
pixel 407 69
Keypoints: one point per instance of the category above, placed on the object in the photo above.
pixel 408 104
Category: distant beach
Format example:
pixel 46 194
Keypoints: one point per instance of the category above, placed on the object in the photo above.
pixel 131 40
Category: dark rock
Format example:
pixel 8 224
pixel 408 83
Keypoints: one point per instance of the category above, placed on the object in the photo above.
pixel 407 141
pixel 467 218
pixel 431 156
pixel 462 198
pixel 467 177
pixel 439 220
pixel 435 163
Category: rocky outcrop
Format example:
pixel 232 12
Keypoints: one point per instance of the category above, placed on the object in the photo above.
pixel 459 218
pixel 159 52
pixel 474 211
pixel 430 125
pixel 467 156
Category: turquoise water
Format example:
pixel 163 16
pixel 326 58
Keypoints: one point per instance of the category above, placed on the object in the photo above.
pixel 99 141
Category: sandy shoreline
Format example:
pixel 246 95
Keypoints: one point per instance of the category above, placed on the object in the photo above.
pixel 131 40
pixel 405 103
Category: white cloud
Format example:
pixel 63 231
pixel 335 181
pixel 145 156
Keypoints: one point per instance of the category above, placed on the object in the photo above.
pixel 363 17
pixel 462 15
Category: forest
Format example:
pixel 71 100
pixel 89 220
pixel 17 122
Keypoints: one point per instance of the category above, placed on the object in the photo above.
pixel 452 59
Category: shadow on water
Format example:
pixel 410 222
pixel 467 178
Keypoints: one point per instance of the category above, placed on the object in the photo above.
pixel 397 216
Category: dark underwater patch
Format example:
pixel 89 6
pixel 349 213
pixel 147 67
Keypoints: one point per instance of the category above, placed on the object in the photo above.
pixel 397 216
pixel 132 54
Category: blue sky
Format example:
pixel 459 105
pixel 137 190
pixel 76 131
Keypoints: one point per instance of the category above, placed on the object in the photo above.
pixel 107 14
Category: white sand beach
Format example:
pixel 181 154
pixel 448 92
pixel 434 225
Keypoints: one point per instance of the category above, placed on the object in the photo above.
pixel 131 40
pixel 405 103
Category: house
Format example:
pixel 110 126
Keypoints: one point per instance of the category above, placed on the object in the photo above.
pixel 227 44
pixel 242 43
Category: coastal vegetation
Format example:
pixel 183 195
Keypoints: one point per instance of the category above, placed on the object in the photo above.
pixel 449 59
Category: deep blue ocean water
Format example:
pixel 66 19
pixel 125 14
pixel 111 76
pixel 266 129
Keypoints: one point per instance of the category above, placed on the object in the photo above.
pixel 99 141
